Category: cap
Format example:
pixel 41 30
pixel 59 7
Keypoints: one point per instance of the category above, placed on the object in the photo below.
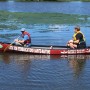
pixel 23 29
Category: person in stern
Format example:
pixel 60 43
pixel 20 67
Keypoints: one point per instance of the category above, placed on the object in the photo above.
pixel 78 40
pixel 26 41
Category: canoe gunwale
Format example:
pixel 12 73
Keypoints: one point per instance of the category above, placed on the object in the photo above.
pixel 45 49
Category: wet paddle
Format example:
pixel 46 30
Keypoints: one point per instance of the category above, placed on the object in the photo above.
pixel 10 44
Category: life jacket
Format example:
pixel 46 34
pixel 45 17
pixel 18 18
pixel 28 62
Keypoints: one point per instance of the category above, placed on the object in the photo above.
pixel 74 36
pixel 28 40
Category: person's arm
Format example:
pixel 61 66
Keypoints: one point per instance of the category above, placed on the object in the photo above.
pixel 76 42
pixel 78 37
pixel 24 38
pixel 20 41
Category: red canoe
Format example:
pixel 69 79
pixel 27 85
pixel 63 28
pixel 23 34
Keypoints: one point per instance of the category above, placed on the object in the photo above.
pixel 41 49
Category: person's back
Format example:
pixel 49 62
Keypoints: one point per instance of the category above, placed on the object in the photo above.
pixel 27 40
pixel 82 43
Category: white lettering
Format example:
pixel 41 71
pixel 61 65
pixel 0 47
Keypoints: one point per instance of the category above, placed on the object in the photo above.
pixel 31 50
pixel 11 47
pixel 15 48
pixel 71 51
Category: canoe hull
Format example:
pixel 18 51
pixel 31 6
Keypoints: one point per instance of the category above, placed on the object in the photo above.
pixel 42 50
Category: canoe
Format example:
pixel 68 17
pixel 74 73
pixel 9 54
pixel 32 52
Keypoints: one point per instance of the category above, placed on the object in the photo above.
pixel 43 49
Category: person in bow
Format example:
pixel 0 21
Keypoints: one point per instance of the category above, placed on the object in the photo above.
pixel 26 41
pixel 78 39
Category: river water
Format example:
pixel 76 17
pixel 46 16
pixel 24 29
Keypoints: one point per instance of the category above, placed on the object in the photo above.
pixel 50 7
pixel 44 72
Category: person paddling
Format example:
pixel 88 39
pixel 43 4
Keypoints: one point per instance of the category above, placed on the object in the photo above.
pixel 78 39
pixel 26 38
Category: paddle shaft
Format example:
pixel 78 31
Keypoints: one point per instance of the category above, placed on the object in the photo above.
pixel 10 45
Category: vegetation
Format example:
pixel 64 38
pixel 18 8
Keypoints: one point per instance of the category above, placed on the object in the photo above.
pixel 3 0
pixel 48 0
pixel 43 0
pixel 85 0
pixel 55 0
pixel 28 18
pixel 15 20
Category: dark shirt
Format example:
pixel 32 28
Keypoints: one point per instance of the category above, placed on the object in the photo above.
pixel 79 37
pixel 82 43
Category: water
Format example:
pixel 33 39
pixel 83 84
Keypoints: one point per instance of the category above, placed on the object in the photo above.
pixel 44 72
pixel 43 34
pixel 51 7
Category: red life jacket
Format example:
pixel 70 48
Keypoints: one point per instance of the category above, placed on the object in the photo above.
pixel 28 40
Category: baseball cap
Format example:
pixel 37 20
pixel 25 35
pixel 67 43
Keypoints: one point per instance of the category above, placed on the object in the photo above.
pixel 23 29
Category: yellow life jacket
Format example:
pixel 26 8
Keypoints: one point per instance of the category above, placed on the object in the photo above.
pixel 74 36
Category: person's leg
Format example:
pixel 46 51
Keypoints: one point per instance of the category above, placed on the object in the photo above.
pixel 27 45
pixel 16 43
pixel 73 45
pixel 82 45
pixel 69 42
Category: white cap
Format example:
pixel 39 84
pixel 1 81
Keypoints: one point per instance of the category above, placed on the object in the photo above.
pixel 23 29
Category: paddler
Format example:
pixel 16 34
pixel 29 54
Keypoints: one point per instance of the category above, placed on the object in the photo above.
pixel 78 39
pixel 26 41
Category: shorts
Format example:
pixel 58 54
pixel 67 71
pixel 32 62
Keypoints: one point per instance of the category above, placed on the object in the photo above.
pixel 81 45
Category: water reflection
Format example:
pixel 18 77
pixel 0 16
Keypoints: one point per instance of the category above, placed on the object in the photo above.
pixel 41 71
pixel 77 63
pixel 7 57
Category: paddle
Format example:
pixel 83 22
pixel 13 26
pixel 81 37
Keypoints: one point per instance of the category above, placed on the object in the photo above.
pixel 10 44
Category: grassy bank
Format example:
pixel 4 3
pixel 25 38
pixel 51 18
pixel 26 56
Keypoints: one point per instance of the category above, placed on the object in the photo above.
pixel 14 19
